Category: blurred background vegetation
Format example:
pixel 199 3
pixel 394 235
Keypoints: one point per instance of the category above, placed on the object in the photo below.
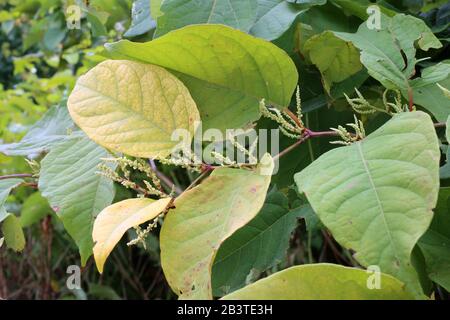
pixel 40 60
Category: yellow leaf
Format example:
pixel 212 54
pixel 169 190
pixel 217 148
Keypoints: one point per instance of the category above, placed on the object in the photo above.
pixel 203 219
pixel 112 223
pixel 132 107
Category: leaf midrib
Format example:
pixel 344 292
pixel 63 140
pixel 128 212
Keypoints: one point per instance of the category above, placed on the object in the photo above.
pixel 380 205
pixel 123 106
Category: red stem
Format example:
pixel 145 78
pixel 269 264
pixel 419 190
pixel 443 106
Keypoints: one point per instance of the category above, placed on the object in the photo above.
pixel 18 175
pixel 410 99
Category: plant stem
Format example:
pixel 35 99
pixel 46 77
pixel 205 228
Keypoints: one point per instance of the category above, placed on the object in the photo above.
pixel 164 178
pixel 313 134
pixel 410 99
pixel 294 117
pixel 307 134
pixel 17 175
pixel 290 148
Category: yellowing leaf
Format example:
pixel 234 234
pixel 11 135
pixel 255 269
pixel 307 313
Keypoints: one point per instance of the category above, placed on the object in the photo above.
pixel 132 107
pixel 112 223
pixel 203 219
pixel 323 282
pixel 227 71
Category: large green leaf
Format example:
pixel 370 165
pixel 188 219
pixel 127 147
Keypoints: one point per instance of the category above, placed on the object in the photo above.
pixel 376 196
pixel 275 17
pixel 428 95
pixel 335 58
pixel 5 188
pixel 227 71
pixel 267 19
pixel 435 244
pixel 132 108
pixel 239 14
pixel 68 179
pixel 203 219
pixel 53 127
pixel 322 282
pixel 389 53
pixel 259 245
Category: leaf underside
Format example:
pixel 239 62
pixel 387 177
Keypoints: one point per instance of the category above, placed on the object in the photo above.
pixel 376 196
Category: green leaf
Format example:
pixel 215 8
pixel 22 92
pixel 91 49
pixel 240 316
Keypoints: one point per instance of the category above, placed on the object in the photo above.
pixel 359 8
pixel 98 29
pixel 54 33
pixel 427 93
pixel 53 127
pixel 68 179
pixel 376 196
pixel 227 71
pixel 141 19
pixel 275 17
pixel 322 282
pixel 203 219
pixel 335 58
pixel 13 233
pixel 5 188
pixel 132 108
pixel 239 14
pixel 155 8
pixel 34 209
pixel 435 244
pixel 256 247
pixel 389 53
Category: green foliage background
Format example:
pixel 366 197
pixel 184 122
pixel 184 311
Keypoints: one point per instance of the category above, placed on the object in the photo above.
pixel 41 59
